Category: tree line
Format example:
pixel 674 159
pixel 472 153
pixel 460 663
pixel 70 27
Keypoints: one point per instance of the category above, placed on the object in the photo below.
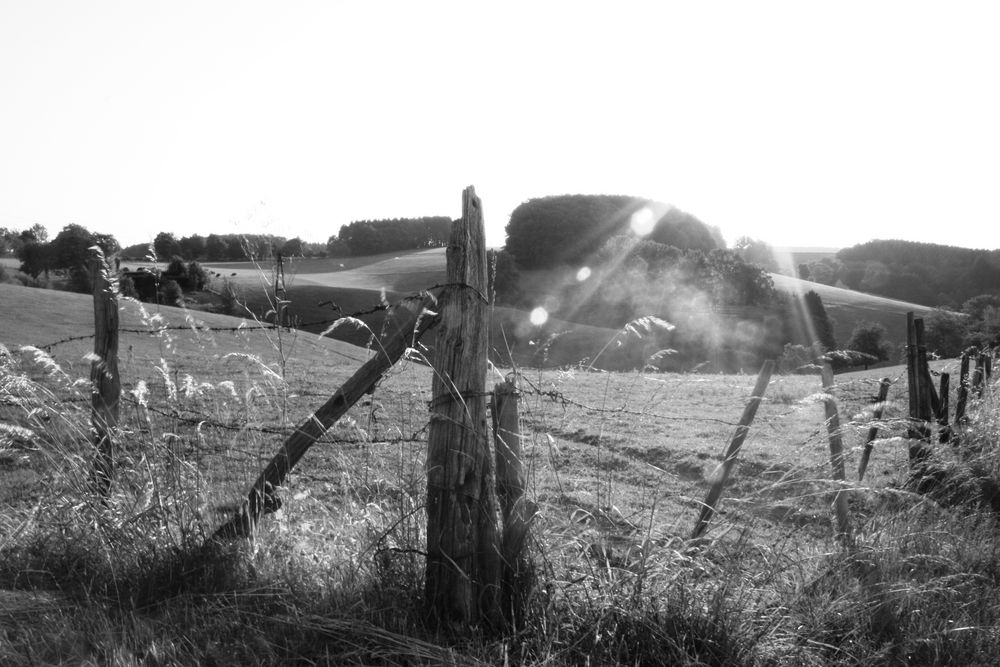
pixel 924 273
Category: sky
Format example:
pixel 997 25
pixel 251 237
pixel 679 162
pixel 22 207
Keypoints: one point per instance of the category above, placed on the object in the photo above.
pixel 796 123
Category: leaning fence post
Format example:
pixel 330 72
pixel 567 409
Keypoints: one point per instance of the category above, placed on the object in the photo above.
pixel 104 378
pixel 883 393
pixel 463 559
pixel 516 510
pixel 836 455
pixel 708 507
pixel 404 325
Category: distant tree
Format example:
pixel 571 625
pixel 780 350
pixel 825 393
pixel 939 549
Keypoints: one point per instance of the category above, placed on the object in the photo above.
pixel 822 326
pixel 70 252
pixel 335 247
pixel 869 337
pixel 756 252
pixel 293 247
pixel 193 247
pixel 166 246
pixel 945 333
pixel 977 306
pixel 215 248
pixel 35 258
pixel 804 272
pixel 236 250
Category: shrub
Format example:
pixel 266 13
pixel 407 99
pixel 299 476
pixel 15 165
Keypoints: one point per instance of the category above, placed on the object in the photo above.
pixel 171 293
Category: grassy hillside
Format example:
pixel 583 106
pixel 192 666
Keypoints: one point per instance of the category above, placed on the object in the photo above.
pixel 318 288
pixel 617 463
pixel 847 308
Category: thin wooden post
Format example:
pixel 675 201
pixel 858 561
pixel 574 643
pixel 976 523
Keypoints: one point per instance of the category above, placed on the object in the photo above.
pixel 104 378
pixel 929 404
pixel 978 375
pixel 961 399
pixel 462 575
pixel 942 415
pixel 405 324
pixel 917 432
pixel 836 455
pixel 516 510
pixel 883 393
pixel 749 412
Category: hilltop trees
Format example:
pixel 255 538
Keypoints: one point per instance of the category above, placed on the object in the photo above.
pixel 926 273
pixel 568 229
pixel 371 237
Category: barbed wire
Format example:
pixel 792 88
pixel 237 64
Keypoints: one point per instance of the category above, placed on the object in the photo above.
pixel 260 325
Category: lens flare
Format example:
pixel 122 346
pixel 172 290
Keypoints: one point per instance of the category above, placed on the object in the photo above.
pixel 642 221
pixel 583 273
pixel 539 316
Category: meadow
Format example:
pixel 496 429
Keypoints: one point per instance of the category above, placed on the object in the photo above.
pixel 617 463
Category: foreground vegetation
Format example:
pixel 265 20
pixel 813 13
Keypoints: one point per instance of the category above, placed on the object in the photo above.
pixel 617 463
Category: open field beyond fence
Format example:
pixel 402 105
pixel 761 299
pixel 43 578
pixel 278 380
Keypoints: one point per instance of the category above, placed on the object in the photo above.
pixel 618 464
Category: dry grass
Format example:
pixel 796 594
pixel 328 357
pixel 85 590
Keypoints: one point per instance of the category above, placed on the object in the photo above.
pixel 617 463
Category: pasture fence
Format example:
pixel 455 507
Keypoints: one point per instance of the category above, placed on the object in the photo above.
pixel 477 573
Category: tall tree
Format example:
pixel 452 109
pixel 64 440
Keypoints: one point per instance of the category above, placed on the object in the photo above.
pixel 166 246
pixel 821 324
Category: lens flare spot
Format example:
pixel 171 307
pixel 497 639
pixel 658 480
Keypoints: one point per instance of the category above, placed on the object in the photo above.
pixel 642 221
pixel 539 316
pixel 583 273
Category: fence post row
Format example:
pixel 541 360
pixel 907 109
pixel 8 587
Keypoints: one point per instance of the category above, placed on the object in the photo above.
pixel 463 558
pixel 104 377
pixel 708 507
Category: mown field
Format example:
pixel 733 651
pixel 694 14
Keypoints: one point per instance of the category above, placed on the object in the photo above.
pixel 617 463
pixel 321 289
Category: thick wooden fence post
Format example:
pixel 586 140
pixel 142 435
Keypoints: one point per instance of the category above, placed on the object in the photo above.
pixel 104 378
pixel 405 324
pixel 516 510
pixel 708 507
pixel 836 456
pixel 463 559
pixel 883 393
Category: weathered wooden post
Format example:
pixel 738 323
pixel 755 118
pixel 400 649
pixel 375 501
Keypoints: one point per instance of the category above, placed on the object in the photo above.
pixel 942 415
pixel 516 510
pixel 883 393
pixel 405 324
pixel 104 378
pixel 462 576
pixel 978 375
pixel 917 432
pixel 962 396
pixel 836 455
pixel 708 507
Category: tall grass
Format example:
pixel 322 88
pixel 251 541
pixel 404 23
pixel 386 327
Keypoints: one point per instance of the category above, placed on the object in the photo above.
pixel 336 575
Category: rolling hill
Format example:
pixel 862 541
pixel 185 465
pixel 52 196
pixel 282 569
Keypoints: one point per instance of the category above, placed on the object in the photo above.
pixel 355 284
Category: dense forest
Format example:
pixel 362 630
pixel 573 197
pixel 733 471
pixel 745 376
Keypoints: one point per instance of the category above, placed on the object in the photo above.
pixel 924 273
